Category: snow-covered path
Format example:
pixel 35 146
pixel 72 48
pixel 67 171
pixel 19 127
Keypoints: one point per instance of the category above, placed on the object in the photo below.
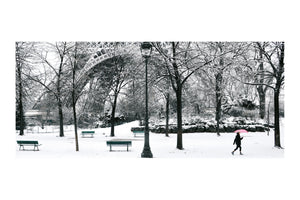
pixel 196 145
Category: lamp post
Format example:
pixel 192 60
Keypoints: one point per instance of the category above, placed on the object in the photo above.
pixel 146 49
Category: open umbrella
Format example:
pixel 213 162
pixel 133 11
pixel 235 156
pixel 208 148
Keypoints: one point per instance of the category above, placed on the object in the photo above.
pixel 241 131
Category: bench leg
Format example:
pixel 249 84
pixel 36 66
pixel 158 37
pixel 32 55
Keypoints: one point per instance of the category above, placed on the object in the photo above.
pixel 110 147
pixel 37 147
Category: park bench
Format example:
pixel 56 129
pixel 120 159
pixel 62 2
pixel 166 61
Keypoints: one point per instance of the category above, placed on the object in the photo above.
pixel 91 133
pixel 118 143
pixel 23 143
pixel 137 130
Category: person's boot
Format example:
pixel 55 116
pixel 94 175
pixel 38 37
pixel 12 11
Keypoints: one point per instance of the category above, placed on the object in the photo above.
pixel 241 153
pixel 232 153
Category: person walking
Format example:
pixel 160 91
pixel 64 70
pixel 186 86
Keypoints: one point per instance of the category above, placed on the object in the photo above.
pixel 237 141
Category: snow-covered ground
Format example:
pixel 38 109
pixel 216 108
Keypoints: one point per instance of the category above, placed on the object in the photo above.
pixel 57 171
pixel 196 145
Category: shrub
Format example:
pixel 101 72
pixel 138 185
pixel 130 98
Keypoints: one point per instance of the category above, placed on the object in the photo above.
pixel 241 112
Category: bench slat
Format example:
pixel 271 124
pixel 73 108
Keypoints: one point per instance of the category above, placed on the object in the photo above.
pixel 135 132
pixel 118 143
pixel 27 142
pixel 91 132
pixel 138 131
pixel 88 133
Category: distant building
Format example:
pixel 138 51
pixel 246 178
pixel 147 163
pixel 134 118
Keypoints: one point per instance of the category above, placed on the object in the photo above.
pixel 37 117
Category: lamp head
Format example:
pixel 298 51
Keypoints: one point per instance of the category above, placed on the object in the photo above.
pixel 146 49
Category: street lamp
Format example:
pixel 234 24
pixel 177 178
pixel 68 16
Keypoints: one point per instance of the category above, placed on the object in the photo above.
pixel 146 49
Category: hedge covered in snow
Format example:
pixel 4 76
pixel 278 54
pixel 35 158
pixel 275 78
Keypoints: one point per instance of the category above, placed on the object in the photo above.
pixel 226 126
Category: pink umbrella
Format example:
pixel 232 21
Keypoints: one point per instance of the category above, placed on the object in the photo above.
pixel 241 131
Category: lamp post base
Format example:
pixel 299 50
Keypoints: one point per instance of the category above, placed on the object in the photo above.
pixel 146 153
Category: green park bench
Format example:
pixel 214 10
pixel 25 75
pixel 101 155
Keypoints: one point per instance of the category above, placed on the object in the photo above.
pixel 118 143
pixel 23 143
pixel 137 131
pixel 84 133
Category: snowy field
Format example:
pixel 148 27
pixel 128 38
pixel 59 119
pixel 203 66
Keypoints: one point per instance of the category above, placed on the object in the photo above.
pixel 205 169
pixel 196 145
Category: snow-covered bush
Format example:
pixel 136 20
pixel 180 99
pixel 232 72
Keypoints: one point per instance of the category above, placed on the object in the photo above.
pixel 226 125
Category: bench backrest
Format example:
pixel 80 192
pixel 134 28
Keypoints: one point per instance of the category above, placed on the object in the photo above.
pixel 27 142
pixel 138 131
pixel 87 132
pixel 118 142
pixel 137 128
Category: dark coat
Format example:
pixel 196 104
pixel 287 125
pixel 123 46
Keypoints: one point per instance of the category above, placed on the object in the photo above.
pixel 237 140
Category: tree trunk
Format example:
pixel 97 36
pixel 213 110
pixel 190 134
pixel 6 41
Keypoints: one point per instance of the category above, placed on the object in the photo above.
pixel 112 120
pixel 279 79
pixel 61 118
pixel 276 118
pixel 60 113
pixel 268 118
pixel 179 117
pixel 260 88
pixel 218 101
pixel 74 100
pixel 167 114
pixel 61 121
pixel 197 108
pixel 262 102
pixel 75 122
pixel 178 91
pixel 21 111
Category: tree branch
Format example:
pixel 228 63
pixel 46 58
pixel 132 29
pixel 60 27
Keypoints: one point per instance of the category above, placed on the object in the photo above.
pixel 256 84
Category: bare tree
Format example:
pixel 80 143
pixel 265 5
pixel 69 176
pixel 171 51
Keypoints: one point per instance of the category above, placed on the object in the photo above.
pixel 73 57
pixel 23 55
pixel 119 82
pixel 52 56
pixel 261 89
pixel 256 63
pixel 77 57
pixel 224 55
pixel 271 77
pixel 119 70
pixel 274 53
pixel 164 90
pixel 182 63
